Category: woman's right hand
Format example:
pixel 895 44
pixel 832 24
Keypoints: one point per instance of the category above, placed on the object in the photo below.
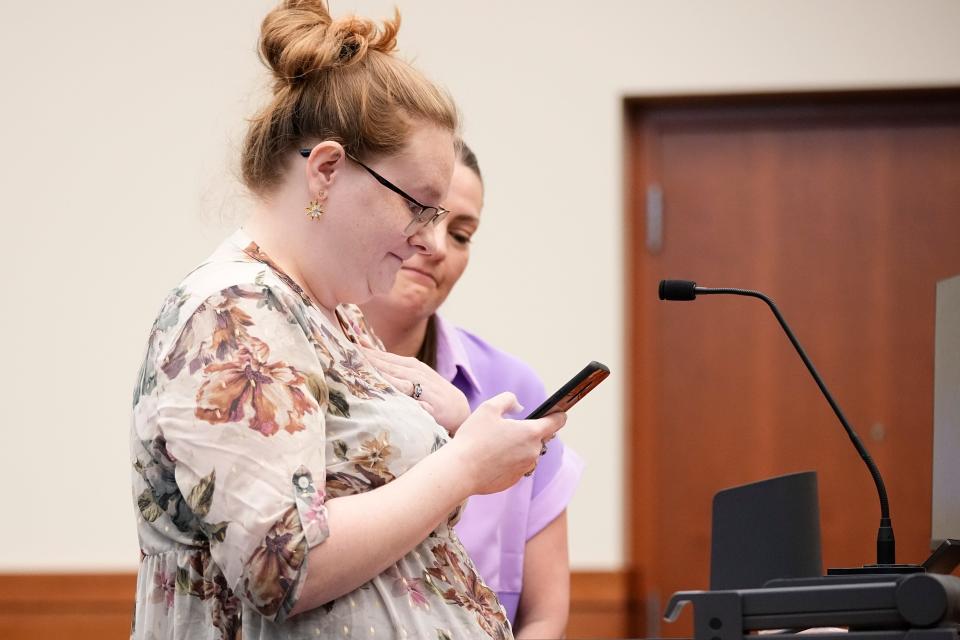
pixel 498 451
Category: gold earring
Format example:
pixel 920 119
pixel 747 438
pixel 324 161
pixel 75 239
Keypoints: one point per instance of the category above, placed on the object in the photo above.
pixel 315 208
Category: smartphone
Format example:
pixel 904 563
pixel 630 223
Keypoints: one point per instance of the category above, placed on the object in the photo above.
pixel 571 393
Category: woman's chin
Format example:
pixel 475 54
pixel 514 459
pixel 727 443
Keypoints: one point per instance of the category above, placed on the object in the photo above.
pixel 415 298
pixel 410 305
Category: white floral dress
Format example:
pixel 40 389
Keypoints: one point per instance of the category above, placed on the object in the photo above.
pixel 250 412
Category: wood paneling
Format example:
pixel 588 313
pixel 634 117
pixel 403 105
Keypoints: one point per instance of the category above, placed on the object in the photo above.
pixel 99 606
pixel 599 605
pixel 76 606
pixel 846 211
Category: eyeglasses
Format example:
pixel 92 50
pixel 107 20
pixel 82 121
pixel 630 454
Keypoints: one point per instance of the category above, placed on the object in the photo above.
pixel 422 214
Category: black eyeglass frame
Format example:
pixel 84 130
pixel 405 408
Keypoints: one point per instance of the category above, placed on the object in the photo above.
pixel 420 219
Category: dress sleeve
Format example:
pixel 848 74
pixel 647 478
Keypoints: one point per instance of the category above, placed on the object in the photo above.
pixel 241 412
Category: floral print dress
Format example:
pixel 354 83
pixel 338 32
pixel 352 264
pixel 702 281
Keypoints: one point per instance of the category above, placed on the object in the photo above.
pixel 250 412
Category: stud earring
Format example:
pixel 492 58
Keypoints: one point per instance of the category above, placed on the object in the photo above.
pixel 315 208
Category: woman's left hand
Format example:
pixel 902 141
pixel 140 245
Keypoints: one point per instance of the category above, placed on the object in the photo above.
pixel 441 399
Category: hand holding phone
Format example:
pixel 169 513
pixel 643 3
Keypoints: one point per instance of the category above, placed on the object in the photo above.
pixel 575 389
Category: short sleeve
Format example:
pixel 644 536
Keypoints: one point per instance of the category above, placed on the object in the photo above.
pixel 558 472
pixel 554 483
pixel 241 410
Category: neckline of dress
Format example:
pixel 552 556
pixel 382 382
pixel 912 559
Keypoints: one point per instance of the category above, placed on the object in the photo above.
pixel 251 249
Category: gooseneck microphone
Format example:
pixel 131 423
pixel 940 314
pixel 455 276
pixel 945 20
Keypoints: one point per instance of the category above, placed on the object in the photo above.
pixel 684 290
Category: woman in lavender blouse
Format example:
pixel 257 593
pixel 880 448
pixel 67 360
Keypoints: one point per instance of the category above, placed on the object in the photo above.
pixel 518 537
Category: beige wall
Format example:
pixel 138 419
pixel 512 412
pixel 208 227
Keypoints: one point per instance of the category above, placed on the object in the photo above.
pixel 120 122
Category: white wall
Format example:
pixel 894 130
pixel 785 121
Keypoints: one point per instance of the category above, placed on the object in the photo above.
pixel 119 130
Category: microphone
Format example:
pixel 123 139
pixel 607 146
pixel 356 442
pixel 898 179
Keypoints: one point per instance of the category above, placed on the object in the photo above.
pixel 685 290
pixel 678 290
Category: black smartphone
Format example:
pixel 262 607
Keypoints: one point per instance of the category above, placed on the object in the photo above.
pixel 571 393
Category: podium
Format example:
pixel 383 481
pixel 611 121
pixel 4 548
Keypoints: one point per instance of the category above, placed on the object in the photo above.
pixel 766 575
pixel 918 606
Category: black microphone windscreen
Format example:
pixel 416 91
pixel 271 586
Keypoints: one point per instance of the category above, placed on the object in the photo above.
pixel 678 290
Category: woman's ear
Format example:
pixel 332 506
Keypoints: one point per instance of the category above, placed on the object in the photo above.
pixel 323 165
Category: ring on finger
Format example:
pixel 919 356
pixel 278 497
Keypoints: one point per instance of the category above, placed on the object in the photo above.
pixel 417 391
pixel 543 448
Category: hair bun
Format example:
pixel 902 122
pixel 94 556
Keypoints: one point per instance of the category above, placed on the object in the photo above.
pixel 335 80
pixel 299 38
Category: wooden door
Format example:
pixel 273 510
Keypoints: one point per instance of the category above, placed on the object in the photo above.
pixel 846 211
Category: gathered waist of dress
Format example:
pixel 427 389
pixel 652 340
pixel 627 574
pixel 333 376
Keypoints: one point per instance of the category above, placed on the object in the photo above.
pixel 175 547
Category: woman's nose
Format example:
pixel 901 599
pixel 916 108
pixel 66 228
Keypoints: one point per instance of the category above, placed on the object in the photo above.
pixel 439 241
pixel 425 239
